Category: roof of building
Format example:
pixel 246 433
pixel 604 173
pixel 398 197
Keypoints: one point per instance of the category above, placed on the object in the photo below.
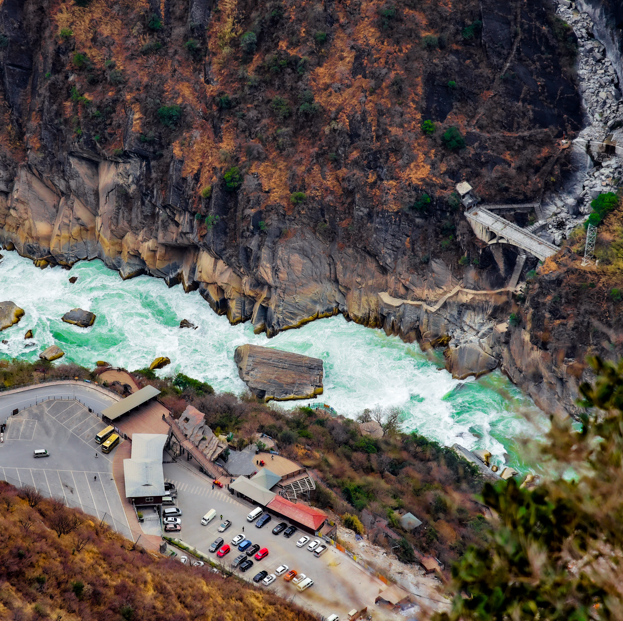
pixel 266 478
pixel 463 188
pixel 143 472
pixel 393 594
pixel 129 403
pixel 430 564
pixel 252 490
pixel 298 512
pixel 408 521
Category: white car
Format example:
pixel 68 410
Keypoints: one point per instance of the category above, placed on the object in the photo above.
pixel 301 542
pixel 172 520
pixel 198 564
pixel 313 545
pixel 269 579
pixel 281 570
pixel 298 579
pixel 184 560
pixel 236 540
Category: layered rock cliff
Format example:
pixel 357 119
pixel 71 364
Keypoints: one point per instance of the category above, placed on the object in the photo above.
pixel 275 156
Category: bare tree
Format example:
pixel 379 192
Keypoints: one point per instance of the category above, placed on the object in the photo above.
pixel 364 417
pixel 392 422
pixel 9 502
pixel 378 415
pixel 81 538
pixel 64 522
pixel 31 495
pixel 25 523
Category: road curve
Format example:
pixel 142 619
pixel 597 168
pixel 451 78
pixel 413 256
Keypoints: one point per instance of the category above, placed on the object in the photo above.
pixel 92 395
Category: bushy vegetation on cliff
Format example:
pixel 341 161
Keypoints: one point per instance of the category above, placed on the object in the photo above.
pixel 58 563
pixel 556 552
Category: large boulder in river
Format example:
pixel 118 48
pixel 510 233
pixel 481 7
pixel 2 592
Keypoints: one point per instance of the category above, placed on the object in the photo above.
pixel 52 353
pixel 79 317
pixel 10 314
pixel 159 363
pixel 187 324
pixel 468 359
pixel 280 375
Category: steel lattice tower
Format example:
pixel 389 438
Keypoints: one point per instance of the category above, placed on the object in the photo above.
pixel 591 238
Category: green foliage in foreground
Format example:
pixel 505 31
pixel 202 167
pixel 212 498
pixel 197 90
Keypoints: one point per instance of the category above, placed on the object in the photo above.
pixel 453 140
pixel 183 382
pixel 556 552
pixel 602 206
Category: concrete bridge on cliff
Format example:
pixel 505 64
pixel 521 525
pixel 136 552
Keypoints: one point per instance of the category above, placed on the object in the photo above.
pixel 494 229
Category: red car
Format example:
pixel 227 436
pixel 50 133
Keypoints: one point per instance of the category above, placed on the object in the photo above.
pixel 172 528
pixel 217 482
pixel 261 554
pixel 223 551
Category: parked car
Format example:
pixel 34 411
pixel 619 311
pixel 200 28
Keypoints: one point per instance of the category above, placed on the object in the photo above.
pixel 298 579
pixel 320 550
pixel 245 544
pixel 301 542
pixel 172 528
pixel 280 528
pixel 269 579
pixel 184 560
pixel 291 574
pixel 238 560
pixel 264 519
pixel 216 544
pixel 313 545
pixel 217 482
pixel 263 553
pixel 246 565
pixel 169 487
pixel 288 532
pixel 236 540
pixel 223 551
pixel 253 549
pixel 281 570
pixel 172 520
pixel 198 564
pixel 224 526
pixel 259 577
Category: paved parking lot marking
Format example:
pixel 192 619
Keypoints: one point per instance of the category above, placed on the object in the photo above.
pixel 59 413
pixel 77 436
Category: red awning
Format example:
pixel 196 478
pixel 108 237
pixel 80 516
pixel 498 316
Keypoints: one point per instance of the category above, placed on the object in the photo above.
pixel 298 512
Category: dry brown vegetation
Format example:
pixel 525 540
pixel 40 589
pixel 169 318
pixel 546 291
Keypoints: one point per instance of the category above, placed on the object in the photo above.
pixel 85 572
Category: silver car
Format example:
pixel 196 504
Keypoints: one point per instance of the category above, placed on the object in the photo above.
pixel 313 545
pixel 269 579
pixel 172 520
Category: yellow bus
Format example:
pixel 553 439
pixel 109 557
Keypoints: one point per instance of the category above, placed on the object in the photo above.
pixel 110 444
pixel 104 434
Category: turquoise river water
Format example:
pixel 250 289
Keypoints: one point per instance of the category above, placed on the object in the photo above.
pixel 138 320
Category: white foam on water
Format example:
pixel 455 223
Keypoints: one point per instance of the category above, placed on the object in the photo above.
pixel 138 320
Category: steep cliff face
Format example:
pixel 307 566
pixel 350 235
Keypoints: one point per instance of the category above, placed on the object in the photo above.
pixel 274 156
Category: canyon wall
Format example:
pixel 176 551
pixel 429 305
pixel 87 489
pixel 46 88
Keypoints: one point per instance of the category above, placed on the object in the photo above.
pixel 274 158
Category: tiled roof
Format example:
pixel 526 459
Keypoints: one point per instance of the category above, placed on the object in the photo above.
pixel 298 512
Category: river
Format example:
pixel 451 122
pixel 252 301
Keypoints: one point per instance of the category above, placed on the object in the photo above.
pixel 138 320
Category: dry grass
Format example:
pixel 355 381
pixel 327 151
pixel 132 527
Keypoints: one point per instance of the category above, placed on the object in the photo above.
pixel 92 573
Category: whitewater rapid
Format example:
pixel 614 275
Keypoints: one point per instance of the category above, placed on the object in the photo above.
pixel 138 320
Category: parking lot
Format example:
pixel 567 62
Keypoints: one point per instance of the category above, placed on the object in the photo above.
pixel 72 472
pixel 340 584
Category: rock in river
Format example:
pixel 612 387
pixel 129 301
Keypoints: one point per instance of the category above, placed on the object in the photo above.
pixel 280 375
pixel 159 362
pixel 73 279
pixel 28 335
pixel 79 317
pixel 187 324
pixel 52 353
pixel 468 359
pixel 10 313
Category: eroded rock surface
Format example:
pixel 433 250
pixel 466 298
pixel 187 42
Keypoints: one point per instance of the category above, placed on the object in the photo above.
pixel 159 363
pixel 79 317
pixel 52 353
pixel 10 314
pixel 279 375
